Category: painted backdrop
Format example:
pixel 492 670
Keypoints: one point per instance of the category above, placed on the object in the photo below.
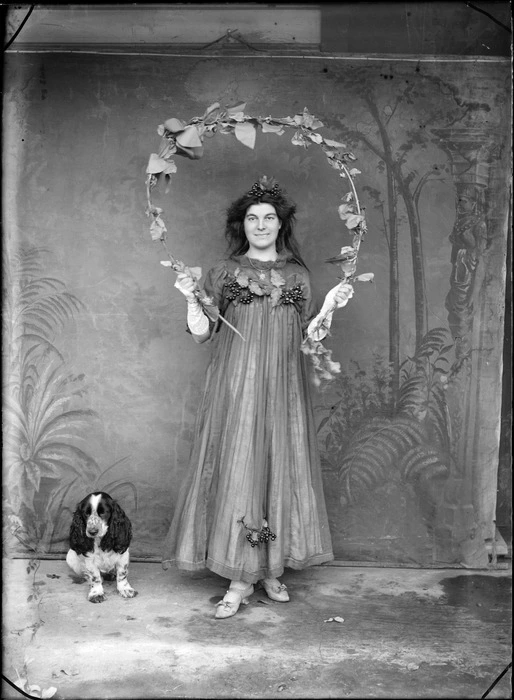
pixel 101 380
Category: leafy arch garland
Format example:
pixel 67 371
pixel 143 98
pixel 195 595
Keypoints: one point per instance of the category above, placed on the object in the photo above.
pixel 179 138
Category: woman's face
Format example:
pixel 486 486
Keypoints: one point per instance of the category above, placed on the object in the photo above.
pixel 261 226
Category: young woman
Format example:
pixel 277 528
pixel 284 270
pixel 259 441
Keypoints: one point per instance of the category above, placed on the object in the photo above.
pixel 252 502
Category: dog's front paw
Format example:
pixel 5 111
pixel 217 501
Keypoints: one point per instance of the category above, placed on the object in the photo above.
pixel 127 593
pixel 97 598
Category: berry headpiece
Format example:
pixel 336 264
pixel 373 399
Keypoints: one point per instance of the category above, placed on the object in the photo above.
pixel 264 186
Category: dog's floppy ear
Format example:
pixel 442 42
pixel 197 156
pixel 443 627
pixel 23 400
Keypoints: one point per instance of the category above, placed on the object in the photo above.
pixel 119 534
pixel 79 541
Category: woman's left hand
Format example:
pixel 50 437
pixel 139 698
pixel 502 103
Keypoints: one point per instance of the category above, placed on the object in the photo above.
pixel 344 292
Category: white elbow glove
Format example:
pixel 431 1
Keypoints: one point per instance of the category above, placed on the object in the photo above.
pixel 336 298
pixel 197 321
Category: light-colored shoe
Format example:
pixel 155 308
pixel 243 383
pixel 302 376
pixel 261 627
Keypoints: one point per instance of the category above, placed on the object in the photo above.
pixel 231 602
pixel 275 590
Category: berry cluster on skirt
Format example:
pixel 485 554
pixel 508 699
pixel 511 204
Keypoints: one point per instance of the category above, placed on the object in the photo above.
pixel 262 536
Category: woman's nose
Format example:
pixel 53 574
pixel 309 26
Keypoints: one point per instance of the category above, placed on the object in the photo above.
pixel 260 225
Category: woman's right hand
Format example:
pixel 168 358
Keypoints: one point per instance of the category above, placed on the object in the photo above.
pixel 185 284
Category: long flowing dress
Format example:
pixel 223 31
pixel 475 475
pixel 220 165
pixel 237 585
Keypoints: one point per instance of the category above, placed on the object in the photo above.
pixel 252 500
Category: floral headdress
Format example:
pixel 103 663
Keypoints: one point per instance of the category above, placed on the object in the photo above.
pixel 266 186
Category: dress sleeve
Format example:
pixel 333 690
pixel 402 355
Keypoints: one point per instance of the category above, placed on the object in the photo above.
pixel 310 306
pixel 214 283
pixel 213 286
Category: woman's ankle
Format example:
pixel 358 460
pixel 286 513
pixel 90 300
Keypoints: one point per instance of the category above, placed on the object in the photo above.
pixel 238 586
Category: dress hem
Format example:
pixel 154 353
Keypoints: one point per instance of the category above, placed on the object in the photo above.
pixel 246 576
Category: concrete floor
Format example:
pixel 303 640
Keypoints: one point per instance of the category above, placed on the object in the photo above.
pixel 407 633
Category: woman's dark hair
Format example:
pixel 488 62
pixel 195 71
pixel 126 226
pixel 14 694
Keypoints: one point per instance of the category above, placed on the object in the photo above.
pixel 285 210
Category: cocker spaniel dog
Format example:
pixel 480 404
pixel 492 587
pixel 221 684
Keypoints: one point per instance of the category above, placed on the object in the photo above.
pixel 100 535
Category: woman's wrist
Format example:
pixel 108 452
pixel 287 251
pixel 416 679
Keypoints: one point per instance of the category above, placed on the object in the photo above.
pixel 197 321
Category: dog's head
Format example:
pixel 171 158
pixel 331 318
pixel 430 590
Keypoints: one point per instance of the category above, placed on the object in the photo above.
pixel 96 509
pixel 100 517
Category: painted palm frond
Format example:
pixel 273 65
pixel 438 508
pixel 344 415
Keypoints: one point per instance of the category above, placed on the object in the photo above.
pixel 424 382
pixel 115 486
pixel 27 260
pixel 432 343
pixel 375 451
pixel 37 307
pixel 423 462
pixel 37 446
pixel 413 396
pixel 440 428
pixel 44 420
pixel 45 316
pixel 65 426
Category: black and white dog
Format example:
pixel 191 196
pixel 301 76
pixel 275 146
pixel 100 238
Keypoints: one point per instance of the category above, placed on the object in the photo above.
pixel 100 535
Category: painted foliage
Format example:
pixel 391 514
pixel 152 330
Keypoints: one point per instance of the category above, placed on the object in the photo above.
pixel 102 384
pixel 46 462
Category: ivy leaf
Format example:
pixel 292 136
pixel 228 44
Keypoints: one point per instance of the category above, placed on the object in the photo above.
pixel 239 117
pixel 334 144
pixel 255 288
pixel 276 279
pixel 242 279
pixel 196 272
pixel 156 164
pixel 236 108
pixel 317 138
pixel 157 228
pixel 336 164
pixel 190 138
pixel 309 120
pixel 212 108
pixel 276 293
pixel 193 153
pixel 174 125
pixel 299 140
pixel 354 172
pixel 345 210
pixel 272 128
pixel 169 148
pixel 285 120
pixel 246 133
pixel 365 277
pixel 225 128
pixel 354 220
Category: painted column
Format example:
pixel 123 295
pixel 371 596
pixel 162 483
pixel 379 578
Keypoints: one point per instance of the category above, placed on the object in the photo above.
pixel 475 304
